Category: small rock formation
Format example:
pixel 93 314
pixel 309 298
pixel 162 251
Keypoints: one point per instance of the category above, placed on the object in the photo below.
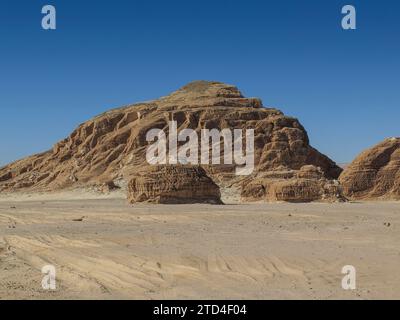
pixel 375 173
pixel 112 146
pixel 304 185
pixel 173 184
pixel 108 187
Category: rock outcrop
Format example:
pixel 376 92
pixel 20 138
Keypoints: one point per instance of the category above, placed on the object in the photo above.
pixel 375 173
pixel 173 184
pixel 112 146
pixel 304 185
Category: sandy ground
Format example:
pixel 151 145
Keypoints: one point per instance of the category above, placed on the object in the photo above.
pixel 258 251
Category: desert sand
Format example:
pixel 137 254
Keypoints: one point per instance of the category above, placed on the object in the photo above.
pixel 105 248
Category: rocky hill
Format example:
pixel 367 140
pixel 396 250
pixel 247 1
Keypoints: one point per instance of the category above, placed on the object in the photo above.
pixel 110 150
pixel 375 173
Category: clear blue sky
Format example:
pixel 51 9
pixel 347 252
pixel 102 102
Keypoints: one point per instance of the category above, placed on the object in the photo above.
pixel 343 85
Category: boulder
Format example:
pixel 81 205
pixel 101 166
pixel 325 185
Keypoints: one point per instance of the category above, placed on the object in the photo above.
pixel 174 184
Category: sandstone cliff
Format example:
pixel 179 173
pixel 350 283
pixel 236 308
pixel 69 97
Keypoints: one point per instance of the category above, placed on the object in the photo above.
pixel 111 148
pixel 375 173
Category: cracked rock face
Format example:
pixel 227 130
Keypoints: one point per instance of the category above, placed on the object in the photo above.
pixel 375 173
pixel 112 146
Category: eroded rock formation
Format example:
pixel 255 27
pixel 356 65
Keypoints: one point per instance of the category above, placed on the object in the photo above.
pixel 375 173
pixel 173 184
pixel 304 185
pixel 112 146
